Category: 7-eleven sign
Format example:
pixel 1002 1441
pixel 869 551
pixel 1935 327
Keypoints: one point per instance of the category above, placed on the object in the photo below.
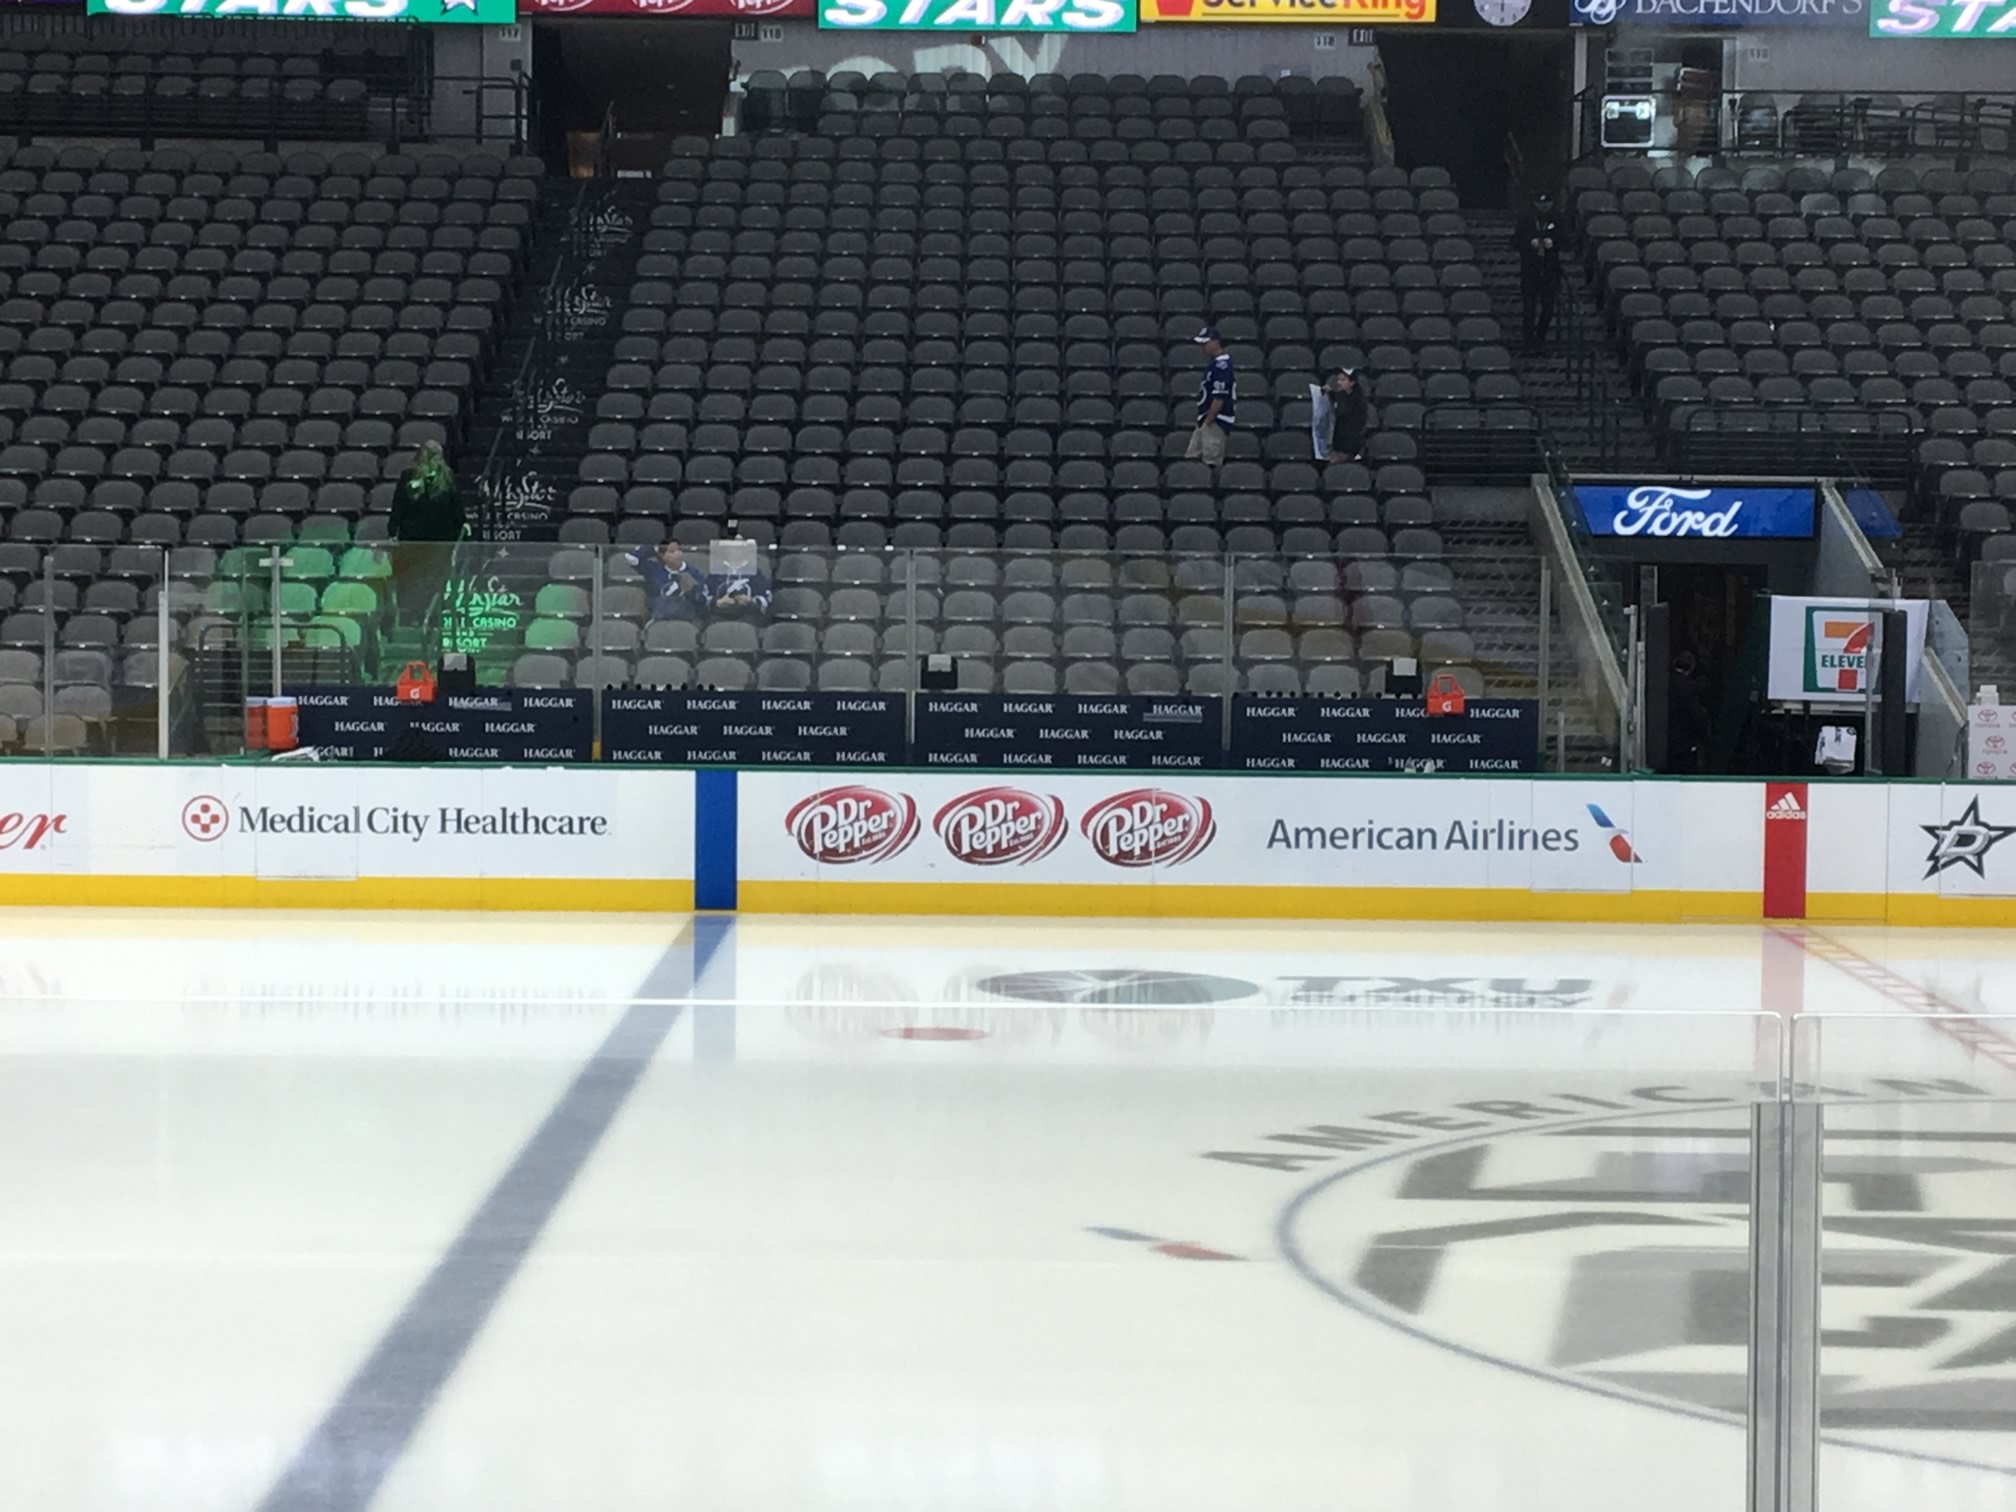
pixel 1838 641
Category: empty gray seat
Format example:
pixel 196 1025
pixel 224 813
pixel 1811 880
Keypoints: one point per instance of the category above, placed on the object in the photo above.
pixel 663 672
pixel 727 673
pixel 1272 678
pixel 602 672
pixel 536 670
pixel 1335 680
pixel 672 637
pixel 848 640
pixel 1029 677
pixel 1153 680
pixel 847 675
pixel 777 674
pixel 1095 679
pixel 729 638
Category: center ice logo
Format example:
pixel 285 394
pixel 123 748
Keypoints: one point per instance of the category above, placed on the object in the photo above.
pixel 844 825
pixel 1149 827
pixel 999 825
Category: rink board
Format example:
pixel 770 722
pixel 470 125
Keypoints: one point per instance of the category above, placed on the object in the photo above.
pixel 321 836
pixel 910 842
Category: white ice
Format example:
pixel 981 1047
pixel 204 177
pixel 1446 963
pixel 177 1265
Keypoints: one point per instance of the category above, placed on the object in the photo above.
pixel 839 1248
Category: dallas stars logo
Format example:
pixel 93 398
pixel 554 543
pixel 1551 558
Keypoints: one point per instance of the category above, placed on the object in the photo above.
pixel 1965 841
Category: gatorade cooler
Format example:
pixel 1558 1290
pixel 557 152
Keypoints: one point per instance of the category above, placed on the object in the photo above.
pixel 283 723
pixel 257 731
pixel 416 683
pixel 1445 695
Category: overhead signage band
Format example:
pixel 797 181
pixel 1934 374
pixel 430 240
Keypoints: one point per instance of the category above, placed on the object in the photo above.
pixel 710 10
pixel 978 15
pixel 427 12
pixel 1678 14
pixel 1912 20
pixel 1303 12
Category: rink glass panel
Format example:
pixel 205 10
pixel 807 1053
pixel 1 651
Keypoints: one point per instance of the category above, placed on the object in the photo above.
pixel 1918 1306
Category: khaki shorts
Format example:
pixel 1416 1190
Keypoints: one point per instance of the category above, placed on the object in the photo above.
pixel 1207 444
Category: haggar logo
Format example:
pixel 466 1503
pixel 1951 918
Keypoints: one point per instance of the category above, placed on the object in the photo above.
pixel 1634 1230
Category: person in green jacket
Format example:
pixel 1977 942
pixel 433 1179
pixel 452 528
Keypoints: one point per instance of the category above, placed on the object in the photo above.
pixel 427 520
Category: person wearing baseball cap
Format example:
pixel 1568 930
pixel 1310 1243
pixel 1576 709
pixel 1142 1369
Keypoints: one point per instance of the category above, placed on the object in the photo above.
pixel 1217 394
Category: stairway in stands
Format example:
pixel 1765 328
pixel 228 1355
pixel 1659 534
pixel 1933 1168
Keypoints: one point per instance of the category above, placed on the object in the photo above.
pixel 1929 567
pixel 1573 410
pixel 1486 532
pixel 498 406
pixel 536 414
pixel 1488 547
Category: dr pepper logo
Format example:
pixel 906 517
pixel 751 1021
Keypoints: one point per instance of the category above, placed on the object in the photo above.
pixel 999 825
pixel 1149 827
pixel 844 825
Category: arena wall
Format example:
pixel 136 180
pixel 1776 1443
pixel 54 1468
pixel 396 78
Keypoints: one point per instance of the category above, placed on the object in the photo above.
pixel 917 842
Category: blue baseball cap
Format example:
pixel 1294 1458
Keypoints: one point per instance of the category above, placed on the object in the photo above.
pixel 1209 333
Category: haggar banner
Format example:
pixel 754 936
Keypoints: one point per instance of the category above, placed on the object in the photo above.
pixel 1383 735
pixel 697 728
pixel 495 724
pixel 993 730
pixel 1693 13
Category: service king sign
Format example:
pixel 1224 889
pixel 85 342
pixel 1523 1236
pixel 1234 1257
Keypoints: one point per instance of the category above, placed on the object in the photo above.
pixel 1294 12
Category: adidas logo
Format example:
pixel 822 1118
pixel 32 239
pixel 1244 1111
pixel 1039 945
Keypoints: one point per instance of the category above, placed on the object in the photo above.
pixel 1787 807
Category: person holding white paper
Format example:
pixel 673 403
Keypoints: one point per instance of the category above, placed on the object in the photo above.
pixel 1338 415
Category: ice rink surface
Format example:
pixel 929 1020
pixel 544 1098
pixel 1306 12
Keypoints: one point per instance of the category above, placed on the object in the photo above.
pixel 491 1214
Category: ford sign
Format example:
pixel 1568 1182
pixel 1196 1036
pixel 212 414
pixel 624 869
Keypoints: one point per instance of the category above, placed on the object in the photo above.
pixel 1660 511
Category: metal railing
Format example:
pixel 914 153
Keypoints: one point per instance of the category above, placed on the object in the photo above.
pixel 1868 123
pixel 1877 446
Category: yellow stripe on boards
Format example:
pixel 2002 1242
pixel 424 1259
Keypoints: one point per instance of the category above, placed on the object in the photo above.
pixel 1216 902
pixel 1919 910
pixel 514 894
pixel 1849 907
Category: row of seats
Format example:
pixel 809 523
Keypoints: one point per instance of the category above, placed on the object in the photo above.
pixel 890 339
pixel 1875 299
pixel 118 79
pixel 802 102
pixel 203 336
pixel 1034 677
